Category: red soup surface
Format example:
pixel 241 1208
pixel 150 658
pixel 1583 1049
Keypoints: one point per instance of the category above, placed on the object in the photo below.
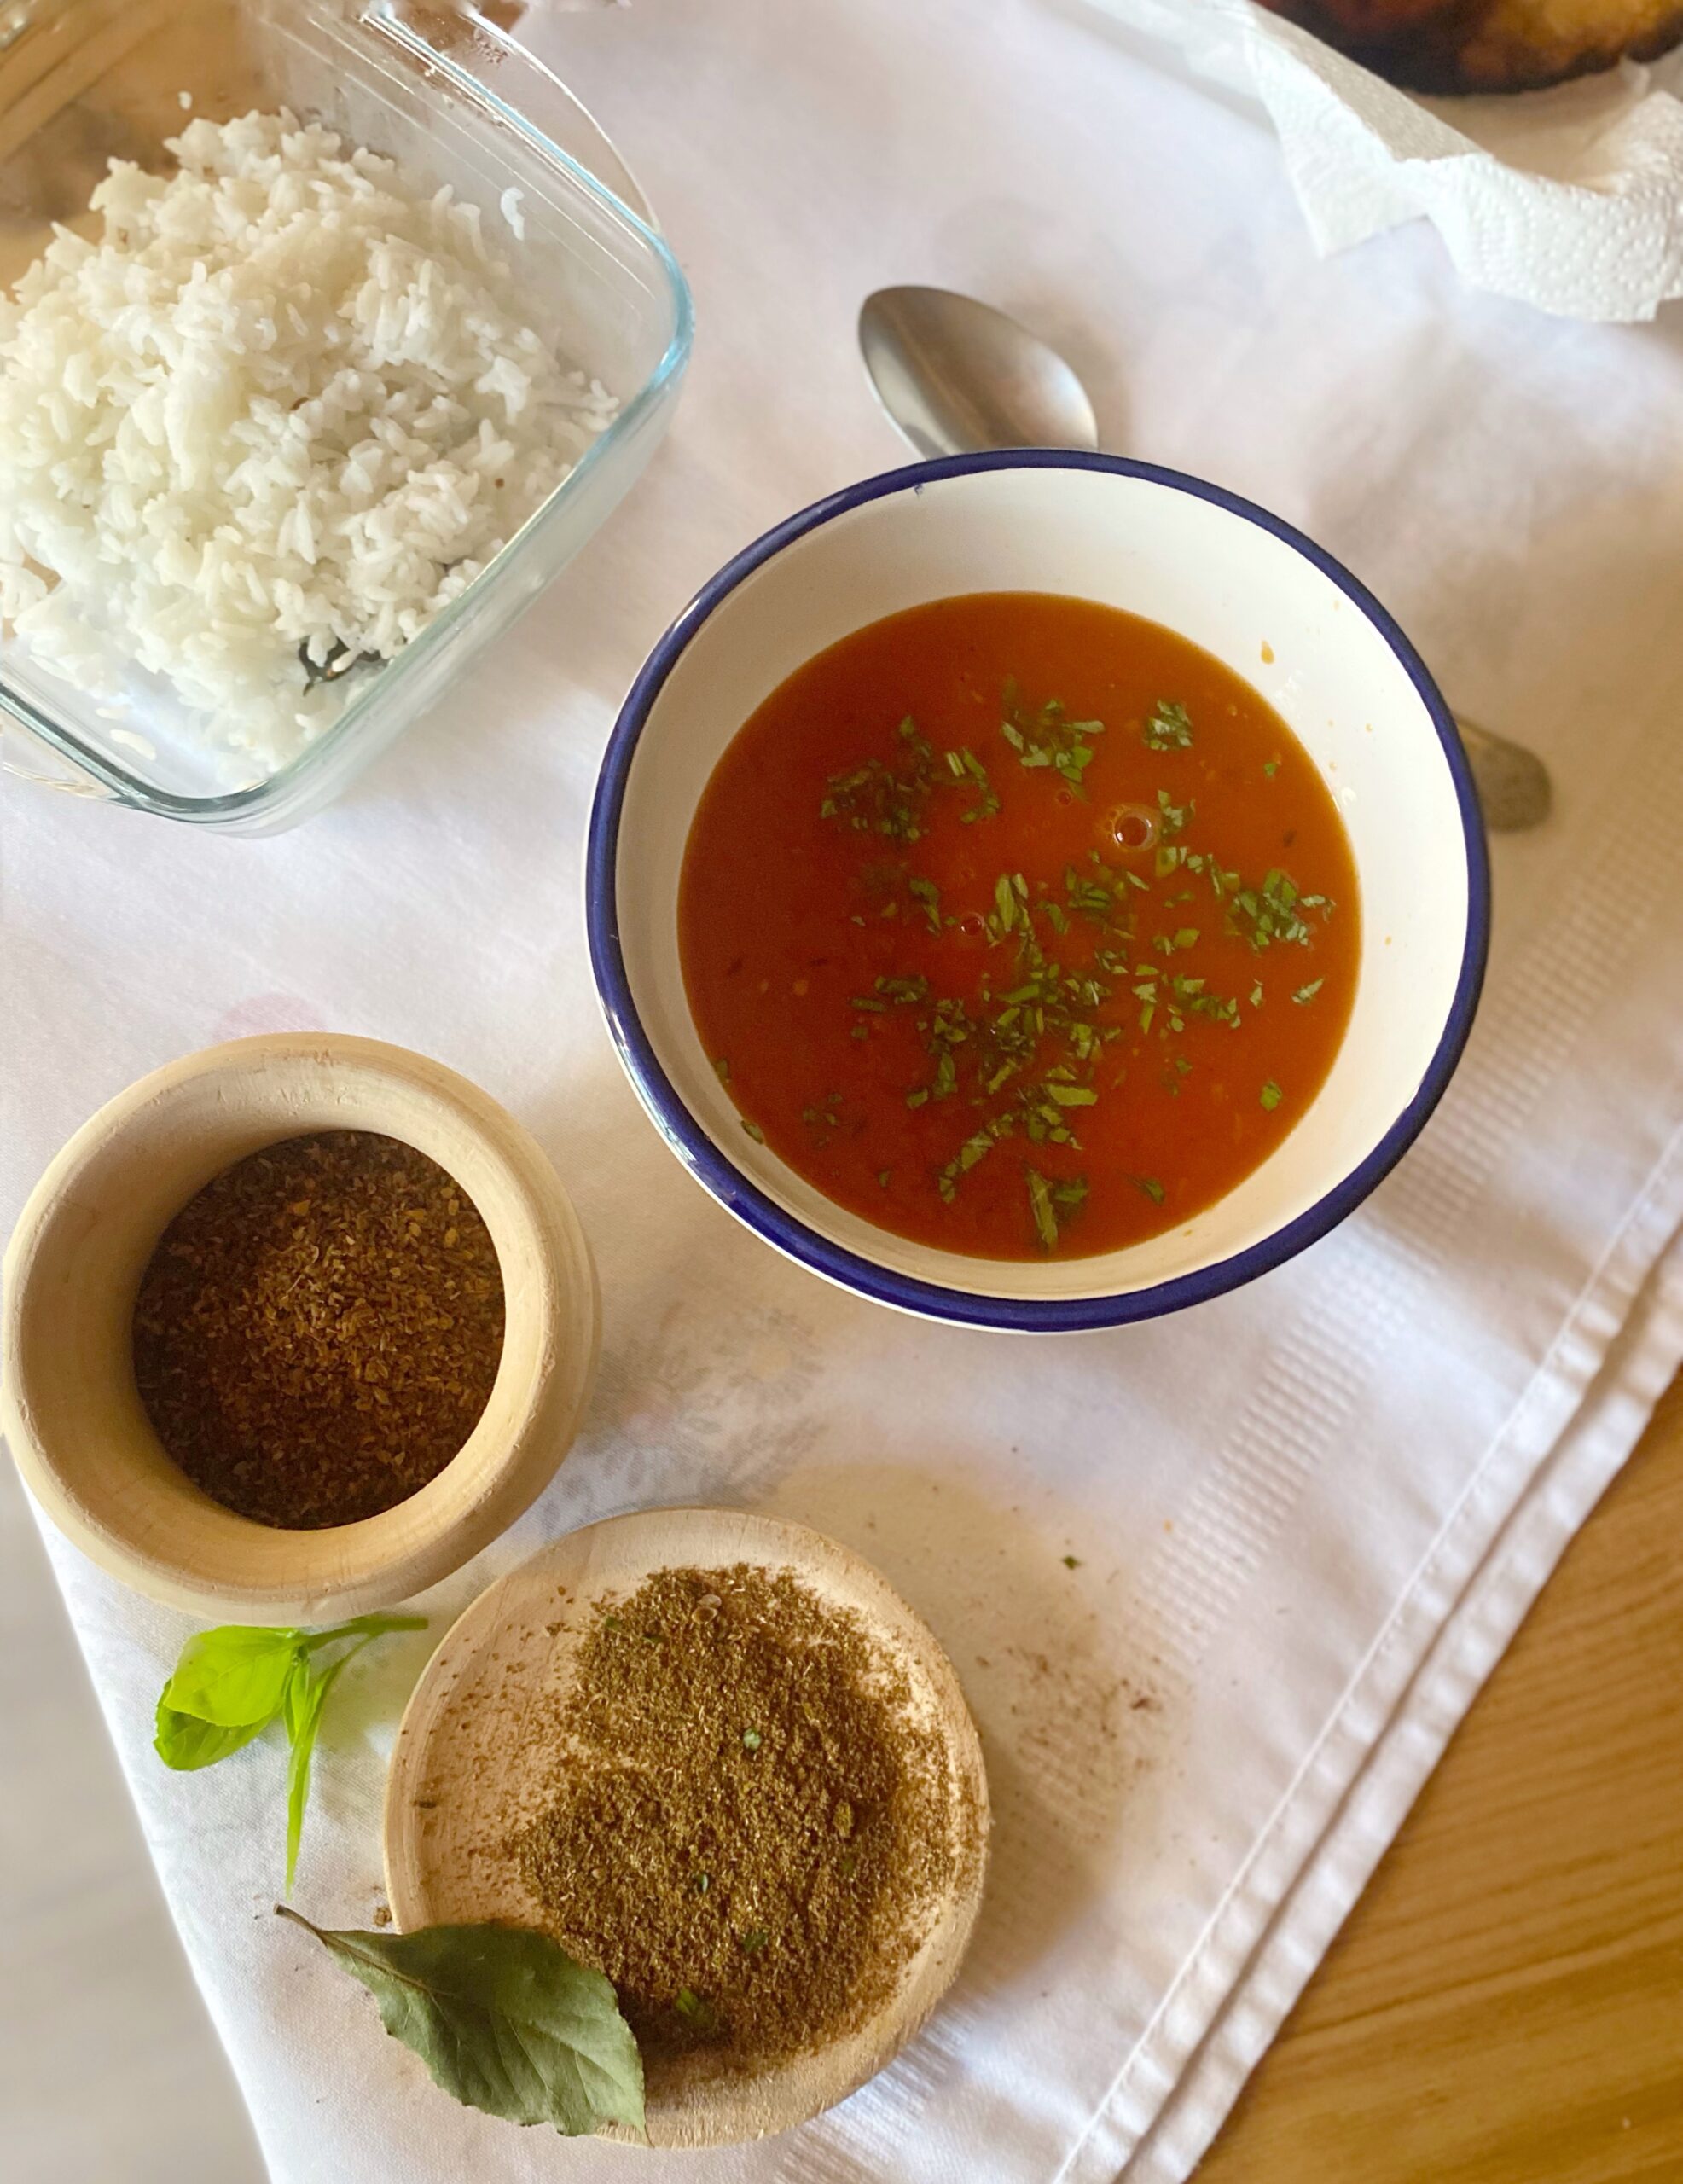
pixel 1019 926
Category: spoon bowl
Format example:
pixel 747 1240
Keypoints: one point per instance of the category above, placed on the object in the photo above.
pixel 956 376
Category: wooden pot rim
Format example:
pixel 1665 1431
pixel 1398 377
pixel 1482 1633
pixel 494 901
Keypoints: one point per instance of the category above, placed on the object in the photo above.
pixel 68 1405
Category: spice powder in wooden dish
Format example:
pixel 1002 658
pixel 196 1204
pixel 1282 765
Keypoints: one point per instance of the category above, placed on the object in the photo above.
pixel 754 1828
pixel 317 1330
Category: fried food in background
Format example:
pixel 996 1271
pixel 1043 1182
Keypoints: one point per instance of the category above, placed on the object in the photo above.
pixel 1488 45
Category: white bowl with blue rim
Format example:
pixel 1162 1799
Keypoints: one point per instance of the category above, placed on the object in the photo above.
pixel 1279 612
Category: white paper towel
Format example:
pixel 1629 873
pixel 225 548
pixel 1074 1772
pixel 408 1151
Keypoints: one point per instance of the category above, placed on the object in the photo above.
pixel 1282 1505
pixel 1568 198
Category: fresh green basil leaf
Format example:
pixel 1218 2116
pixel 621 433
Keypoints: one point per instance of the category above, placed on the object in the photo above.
pixel 295 1704
pixel 504 2020
pixel 230 1683
pixel 306 1695
pixel 364 1626
pixel 184 1742
pixel 233 1676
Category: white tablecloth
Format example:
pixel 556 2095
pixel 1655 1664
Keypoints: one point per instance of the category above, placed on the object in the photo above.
pixel 1307 1516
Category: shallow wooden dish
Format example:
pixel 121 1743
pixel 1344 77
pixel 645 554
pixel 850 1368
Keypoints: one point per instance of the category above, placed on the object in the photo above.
pixel 457 1775
pixel 68 1403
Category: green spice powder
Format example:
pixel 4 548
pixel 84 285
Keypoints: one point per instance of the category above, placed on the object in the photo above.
pixel 754 1829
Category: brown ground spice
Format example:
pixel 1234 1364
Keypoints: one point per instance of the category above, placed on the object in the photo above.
pixel 317 1331
pixel 753 1831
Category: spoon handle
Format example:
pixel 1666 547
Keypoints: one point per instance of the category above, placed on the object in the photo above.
pixel 1514 790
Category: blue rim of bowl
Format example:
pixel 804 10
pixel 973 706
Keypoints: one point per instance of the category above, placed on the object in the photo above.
pixel 725 1182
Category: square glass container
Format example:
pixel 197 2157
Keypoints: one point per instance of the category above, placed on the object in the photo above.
pixel 443 88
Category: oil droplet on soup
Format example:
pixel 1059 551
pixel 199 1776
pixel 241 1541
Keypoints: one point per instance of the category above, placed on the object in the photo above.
pixel 1019 926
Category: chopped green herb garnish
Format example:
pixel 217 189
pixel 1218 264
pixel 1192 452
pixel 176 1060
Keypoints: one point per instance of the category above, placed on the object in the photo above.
pixel 751 1739
pixel 929 894
pixel 1304 995
pixel 1094 895
pixel 1150 1187
pixel 1219 1008
pixel 1073 1562
pixel 965 766
pixel 1040 1204
pixel 883 1175
pixel 1273 912
pixel 694 2009
pixel 755 1940
pixel 721 1070
pixel 1048 738
pixel 1257 994
pixel 1271 1095
pixel 1169 728
pixel 1271 767
pixel 753 1131
pixel 974 1149
pixel 876 797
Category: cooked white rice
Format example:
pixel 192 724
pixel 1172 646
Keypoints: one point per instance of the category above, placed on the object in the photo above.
pixel 286 408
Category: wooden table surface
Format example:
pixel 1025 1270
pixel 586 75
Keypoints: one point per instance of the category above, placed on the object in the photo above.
pixel 1505 2005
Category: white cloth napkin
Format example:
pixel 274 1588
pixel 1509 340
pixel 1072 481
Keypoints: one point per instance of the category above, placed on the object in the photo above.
pixel 1304 1518
pixel 1570 198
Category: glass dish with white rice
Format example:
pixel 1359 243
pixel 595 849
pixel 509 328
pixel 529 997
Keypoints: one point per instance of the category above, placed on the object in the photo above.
pixel 290 426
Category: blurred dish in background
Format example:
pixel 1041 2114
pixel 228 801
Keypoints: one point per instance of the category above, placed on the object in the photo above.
pixel 1488 45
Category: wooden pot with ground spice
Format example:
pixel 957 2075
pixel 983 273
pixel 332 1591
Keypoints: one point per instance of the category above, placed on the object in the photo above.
pixel 294 1328
pixel 746 1789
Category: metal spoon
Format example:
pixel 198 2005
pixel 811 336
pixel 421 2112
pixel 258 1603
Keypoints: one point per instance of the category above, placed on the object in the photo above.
pixel 956 376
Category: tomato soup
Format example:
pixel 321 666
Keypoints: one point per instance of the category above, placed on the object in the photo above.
pixel 1019 926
